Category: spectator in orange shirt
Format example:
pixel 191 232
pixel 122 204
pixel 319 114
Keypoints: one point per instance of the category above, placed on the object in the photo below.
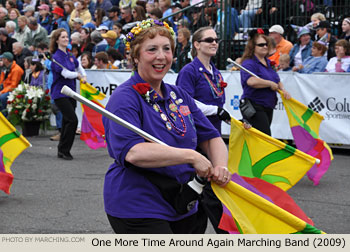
pixel 10 78
pixel 283 46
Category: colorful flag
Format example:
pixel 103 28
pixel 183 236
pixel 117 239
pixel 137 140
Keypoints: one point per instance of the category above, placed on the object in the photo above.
pixel 12 143
pixel 254 206
pixel 305 124
pixel 92 130
pixel 255 154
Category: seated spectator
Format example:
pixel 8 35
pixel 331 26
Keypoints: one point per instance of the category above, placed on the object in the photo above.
pixel 182 54
pixel 27 76
pixel 126 15
pixel 149 6
pixel 100 44
pixel 23 29
pixel 323 33
pixel 6 42
pixel 14 14
pixel 86 60
pixel 29 11
pixel 346 29
pixel 211 15
pixel 302 49
pixel 113 16
pixel 39 77
pixel 86 44
pixel 75 39
pixel 231 25
pixel 138 13
pixel 198 19
pixel 176 7
pixel 317 62
pixel 165 7
pixel 37 35
pixel 75 50
pixel 20 53
pixel 3 14
pixel 78 24
pixel 246 17
pixel 341 62
pixel 156 14
pixel 10 28
pixel 10 79
pixel 68 7
pixel 101 61
pixel 44 18
pixel 104 4
pixel 99 16
pixel 183 23
pixel 114 57
pixel 283 46
pixel 131 3
pixel 316 18
pixel 284 63
pixel 58 20
pixel 80 11
pixel 114 41
pixel 102 29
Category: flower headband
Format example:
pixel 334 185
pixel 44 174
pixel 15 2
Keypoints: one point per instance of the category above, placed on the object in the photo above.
pixel 144 25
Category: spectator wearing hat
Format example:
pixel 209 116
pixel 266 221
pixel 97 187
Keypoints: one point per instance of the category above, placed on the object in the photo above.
pixel 20 53
pixel 100 43
pixel 37 34
pixel 77 25
pixel 103 4
pixel 176 7
pixel 282 45
pixel 323 33
pixel 102 29
pixel 302 49
pixel 101 61
pixel 44 18
pixel 58 21
pixel 29 11
pixel 113 41
pixel 81 11
pixel 317 62
pixel 113 16
pixel 10 78
pixel 23 29
pixel 5 41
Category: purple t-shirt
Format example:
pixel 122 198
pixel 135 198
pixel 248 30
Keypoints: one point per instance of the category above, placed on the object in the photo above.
pixel 127 193
pixel 193 79
pixel 68 61
pixel 262 96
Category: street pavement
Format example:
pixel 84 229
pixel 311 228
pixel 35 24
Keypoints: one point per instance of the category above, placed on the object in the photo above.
pixel 51 195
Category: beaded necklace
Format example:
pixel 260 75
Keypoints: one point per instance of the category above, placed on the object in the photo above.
pixel 172 119
pixel 216 89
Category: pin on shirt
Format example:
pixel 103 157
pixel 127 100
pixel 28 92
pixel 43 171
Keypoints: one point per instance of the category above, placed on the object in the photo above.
pixel 173 95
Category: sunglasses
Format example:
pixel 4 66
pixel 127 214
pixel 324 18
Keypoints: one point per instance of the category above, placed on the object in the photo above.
pixel 209 40
pixel 261 44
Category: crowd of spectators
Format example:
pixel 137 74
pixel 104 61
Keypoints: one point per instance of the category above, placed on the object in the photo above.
pixel 97 29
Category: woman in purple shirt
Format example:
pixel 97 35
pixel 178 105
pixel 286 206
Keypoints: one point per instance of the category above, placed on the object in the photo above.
pixel 261 92
pixel 133 203
pixel 203 82
pixel 63 68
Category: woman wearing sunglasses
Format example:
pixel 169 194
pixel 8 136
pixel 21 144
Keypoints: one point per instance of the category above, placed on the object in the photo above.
pixel 259 93
pixel 205 84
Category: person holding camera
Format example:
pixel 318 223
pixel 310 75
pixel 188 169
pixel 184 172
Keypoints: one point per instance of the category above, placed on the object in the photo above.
pixel 259 94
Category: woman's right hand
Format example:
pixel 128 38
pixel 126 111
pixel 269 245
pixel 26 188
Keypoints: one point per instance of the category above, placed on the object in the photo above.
pixel 273 86
pixel 202 165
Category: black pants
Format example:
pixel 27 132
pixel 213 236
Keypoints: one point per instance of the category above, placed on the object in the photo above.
pixel 153 226
pixel 262 118
pixel 69 123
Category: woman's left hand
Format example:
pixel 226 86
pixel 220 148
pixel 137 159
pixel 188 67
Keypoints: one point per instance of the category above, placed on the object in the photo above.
pixel 220 175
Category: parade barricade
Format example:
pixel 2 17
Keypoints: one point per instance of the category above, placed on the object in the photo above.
pixel 328 94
